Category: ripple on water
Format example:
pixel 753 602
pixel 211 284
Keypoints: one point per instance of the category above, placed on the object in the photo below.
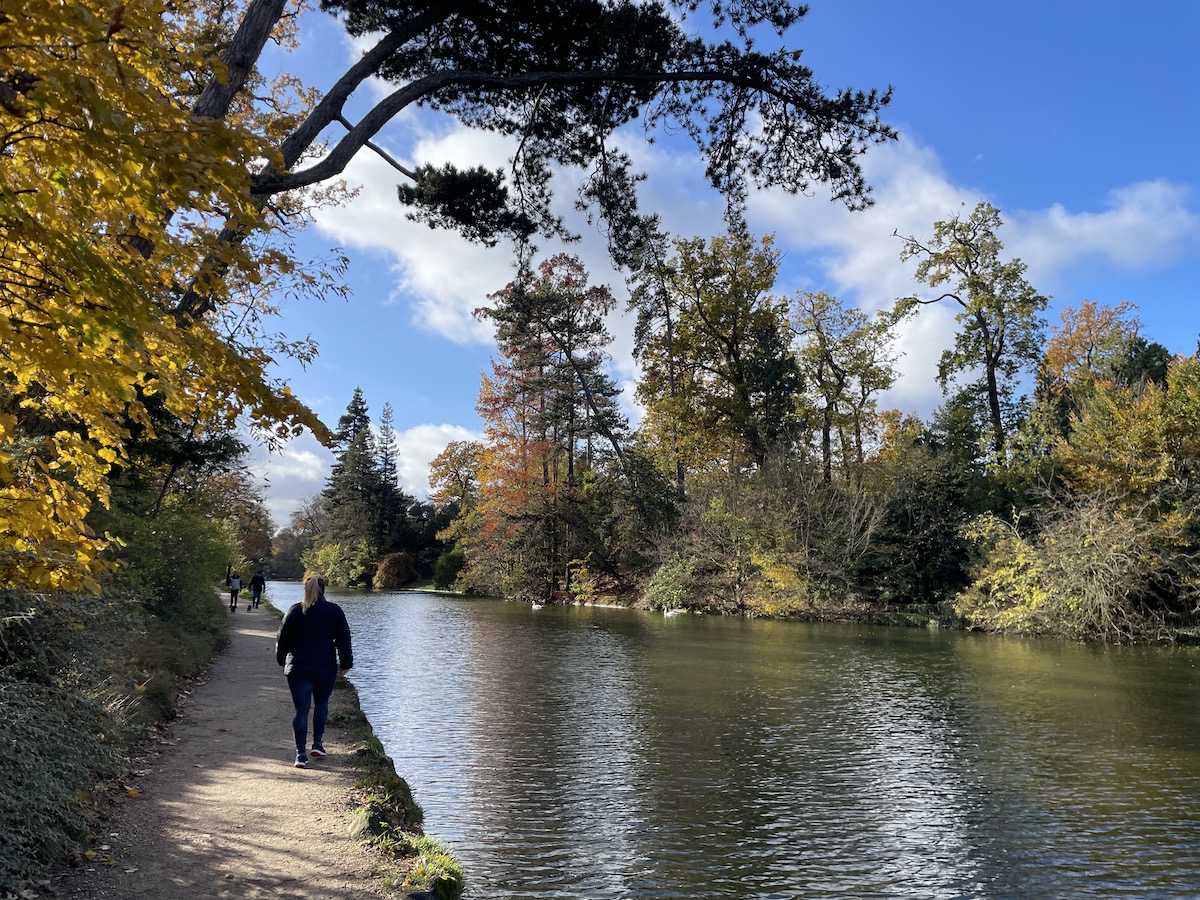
pixel 606 754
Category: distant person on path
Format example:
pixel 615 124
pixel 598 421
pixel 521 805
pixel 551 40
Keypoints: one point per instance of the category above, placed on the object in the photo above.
pixel 258 584
pixel 313 646
pixel 235 586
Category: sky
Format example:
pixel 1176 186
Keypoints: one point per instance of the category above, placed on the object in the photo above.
pixel 1078 120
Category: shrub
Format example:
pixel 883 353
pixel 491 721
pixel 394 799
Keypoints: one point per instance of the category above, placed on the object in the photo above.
pixel 345 565
pixel 447 568
pixel 81 677
pixel 62 725
pixel 670 587
pixel 396 570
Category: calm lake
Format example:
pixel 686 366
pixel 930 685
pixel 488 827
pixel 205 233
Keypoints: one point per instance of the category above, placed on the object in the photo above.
pixel 570 752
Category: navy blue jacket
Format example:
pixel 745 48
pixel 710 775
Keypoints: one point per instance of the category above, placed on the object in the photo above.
pixel 314 643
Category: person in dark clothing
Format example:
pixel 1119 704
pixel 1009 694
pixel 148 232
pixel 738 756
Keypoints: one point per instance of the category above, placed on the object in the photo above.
pixel 313 646
pixel 258 584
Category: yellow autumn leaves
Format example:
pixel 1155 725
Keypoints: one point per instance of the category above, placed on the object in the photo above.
pixel 111 203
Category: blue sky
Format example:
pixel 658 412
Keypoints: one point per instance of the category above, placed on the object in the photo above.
pixel 1078 120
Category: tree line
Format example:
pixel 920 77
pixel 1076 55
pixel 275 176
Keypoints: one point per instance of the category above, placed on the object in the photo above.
pixel 1052 491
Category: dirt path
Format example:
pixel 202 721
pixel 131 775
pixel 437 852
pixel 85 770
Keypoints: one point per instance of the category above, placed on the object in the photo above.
pixel 220 811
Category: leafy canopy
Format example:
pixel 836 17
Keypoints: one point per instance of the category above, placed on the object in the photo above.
pixel 563 78
pixel 99 155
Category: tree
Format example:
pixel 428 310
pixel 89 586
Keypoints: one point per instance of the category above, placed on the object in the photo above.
pixel 1139 443
pixel 96 147
pixel 918 554
pixel 1000 312
pixel 287 552
pixel 1092 342
pixel 656 309
pixel 561 80
pixel 353 490
pixel 551 415
pixel 393 502
pixel 144 175
pixel 507 536
pixel 454 475
pixel 846 360
pixel 454 493
pixel 551 326
pixel 1113 553
pixel 308 519
pixel 719 382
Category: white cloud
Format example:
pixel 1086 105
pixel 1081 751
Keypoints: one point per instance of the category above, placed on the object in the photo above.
pixel 854 255
pixel 1144 226
pixel 416 448
pixel 443 275
pixel 297 471
pixel 302 467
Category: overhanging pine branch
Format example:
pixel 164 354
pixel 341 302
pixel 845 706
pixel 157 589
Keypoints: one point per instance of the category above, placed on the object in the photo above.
pixel 334 163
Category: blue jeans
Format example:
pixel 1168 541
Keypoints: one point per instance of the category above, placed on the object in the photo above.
pixel 309 690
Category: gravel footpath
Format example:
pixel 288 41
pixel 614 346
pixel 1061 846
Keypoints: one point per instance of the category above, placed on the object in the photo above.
pixel 216 809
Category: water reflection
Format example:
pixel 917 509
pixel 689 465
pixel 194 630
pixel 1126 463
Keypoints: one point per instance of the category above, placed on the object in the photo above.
pixel 574 753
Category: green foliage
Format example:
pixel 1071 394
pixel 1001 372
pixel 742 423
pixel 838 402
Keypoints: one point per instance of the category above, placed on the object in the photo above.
pixel 287 549
pixel 447 568
pixel 594 67
pixel 919 554
pixel 80 680
pixel 170 562
pixel 671 586
pixel 720 382
pixel 846 360
pixel 475 201
pixel 59 736
pixel 431 868
pixel 345 565
pixel 1085 575
pixel 1000 313
pixel 363 509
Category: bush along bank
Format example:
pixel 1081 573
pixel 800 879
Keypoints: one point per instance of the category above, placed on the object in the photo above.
pixel 82 680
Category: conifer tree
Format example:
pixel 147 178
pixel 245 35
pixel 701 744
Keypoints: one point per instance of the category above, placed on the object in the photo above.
pixel 550 411
pixel 353 490
pixel 393 501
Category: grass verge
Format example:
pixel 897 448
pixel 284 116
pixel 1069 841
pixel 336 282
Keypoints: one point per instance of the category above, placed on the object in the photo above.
pixel 388 818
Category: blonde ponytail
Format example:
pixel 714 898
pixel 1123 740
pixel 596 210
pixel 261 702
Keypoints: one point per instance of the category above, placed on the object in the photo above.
pixel 314 588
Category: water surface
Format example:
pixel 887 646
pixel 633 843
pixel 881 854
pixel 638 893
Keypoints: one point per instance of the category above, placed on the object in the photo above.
pixel 600 753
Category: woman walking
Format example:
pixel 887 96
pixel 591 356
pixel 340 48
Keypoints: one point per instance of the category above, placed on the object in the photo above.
pixel 313 646
pixel 235 587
